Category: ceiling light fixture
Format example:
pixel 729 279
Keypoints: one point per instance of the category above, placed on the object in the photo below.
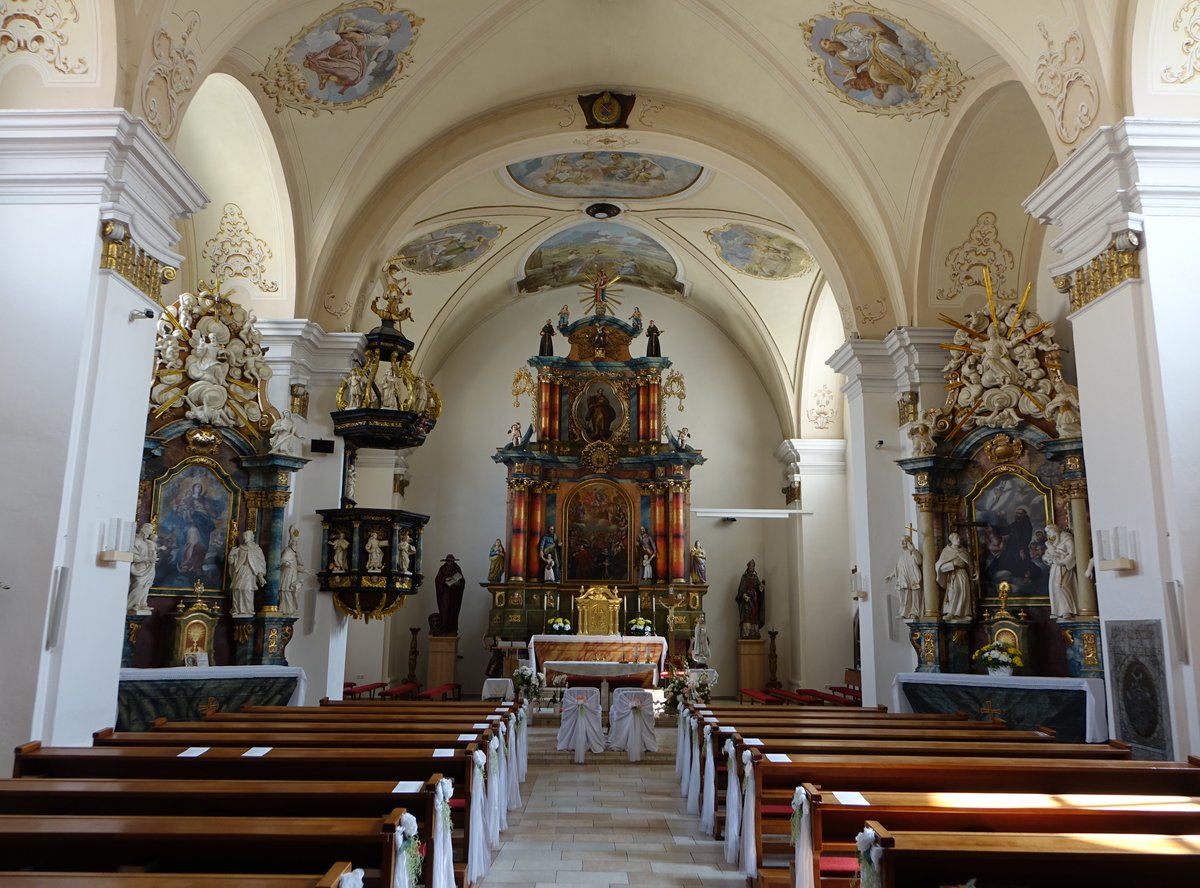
pixel 603 210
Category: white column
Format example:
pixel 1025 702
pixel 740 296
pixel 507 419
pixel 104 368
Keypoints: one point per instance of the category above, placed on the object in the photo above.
pixel 302 353
pixel 877 512
pixel 1137 359
pixel 819 643
pixel 77 377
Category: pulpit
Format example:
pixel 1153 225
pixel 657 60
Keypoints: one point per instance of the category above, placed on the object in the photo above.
pixel 599 611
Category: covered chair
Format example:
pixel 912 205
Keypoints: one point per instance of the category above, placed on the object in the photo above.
pixel 631 722
pixel 580 729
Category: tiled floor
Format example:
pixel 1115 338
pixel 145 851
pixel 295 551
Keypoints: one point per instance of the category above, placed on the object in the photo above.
pixel 607 822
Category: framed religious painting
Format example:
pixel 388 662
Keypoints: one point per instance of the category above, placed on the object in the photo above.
pixel 194 506
pixel 1009 510
pixel 599 533
pixel 600 411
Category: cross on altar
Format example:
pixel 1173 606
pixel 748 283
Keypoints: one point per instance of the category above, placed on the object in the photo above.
pixel 987 710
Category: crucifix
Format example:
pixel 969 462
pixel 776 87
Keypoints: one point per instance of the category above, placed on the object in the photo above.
pixel 987 710
pixel 912 532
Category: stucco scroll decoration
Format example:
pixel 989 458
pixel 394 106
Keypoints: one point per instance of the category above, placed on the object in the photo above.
pixel 823 413
pixel 982 249
pixel 649 106
pixel 872 311
pixel 234 251
pixel 1071 90
pixel 1191 44
pixel 170 78
pixel 568 108
pixel 39 27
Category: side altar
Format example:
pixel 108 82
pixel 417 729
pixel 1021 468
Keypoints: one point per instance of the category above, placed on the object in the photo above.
pixel 599 489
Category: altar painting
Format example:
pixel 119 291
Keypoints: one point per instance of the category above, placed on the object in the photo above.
pixel 759 253
pixel 608 174
pixel 1010 509
pixel 449 248
pixel 598 533
pixel 599 412
pixel 343 60
pixel 195 507
pixel 880 63
pixel 567 258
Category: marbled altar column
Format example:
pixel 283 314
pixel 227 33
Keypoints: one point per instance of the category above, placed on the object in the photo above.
pixel 931 592
pixel 537 526
pixel 653 410
pixel 679 529
pixel 545 407
pixel 658 514
pixel 518 492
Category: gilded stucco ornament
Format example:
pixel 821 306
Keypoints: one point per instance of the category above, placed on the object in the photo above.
pixel 1186 20
pixel 170 78
pixel 235 251
pixel 1071 92
pixel 40 29
pixel 1115 264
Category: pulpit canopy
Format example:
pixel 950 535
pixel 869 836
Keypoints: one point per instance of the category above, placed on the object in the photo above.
pixel 599 611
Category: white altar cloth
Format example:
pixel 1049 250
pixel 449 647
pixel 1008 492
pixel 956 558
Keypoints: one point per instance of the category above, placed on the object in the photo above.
pixel 598 648
pixel 1097 717
pixel 600 669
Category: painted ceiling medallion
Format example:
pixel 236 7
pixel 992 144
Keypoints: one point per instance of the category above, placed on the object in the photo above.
pixel 627 175
pixel 448 248
pixel 879 63
pixel 573 256
pixel 759 253
pixel 345 59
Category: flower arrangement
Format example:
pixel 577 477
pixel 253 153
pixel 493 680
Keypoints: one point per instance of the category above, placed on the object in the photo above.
pixel 641 626
pixel 558 626
pixel 528 682
pixel 681 687
pixel 998 655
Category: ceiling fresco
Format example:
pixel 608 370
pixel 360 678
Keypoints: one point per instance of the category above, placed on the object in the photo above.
pixel 760 253
pixel 572 256
pixel 449 248
pixel 612 174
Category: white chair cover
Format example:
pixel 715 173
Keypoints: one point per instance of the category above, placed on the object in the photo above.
pixel 631 722
pixel 513 765
pixel 443 855
pixel 493 793
pixel 406 847
pixel 352 879
pixel 693 794
pixel 580 729
pixel 502 757
pixel 749 833
pixel 680 740
pixel 523 741
pixel 802 836
pixel 733 806
pixel 479 860
pixel 686 777
pixel 708 794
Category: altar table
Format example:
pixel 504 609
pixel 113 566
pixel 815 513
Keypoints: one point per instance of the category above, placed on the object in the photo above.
pixel 598 648
pixel 1073 707
pixel 185 693
pixel 646 673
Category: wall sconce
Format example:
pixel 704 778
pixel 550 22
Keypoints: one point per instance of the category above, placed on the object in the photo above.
pixel 858 587
pixel 116 541
pixel 1115 549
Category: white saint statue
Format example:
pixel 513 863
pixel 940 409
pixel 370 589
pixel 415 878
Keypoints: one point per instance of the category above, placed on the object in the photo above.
pixel 405 550
pixel 248 569
pixel 922 440
pixel 954 575
pixel 701 649
pixel 908 579
pixel 551 566
pixel 289 575
pixel 375 546
pixel 141 571
pixel 1060 555
pixel 285 440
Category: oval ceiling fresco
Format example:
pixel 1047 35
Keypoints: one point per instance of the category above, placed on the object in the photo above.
pixel 614 174
pixel 448 248
pixel 571 256
pixel 760 253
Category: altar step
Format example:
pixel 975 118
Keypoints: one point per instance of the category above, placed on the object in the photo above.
pixel 543 738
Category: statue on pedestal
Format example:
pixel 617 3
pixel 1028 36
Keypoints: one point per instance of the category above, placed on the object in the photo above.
pixel 701 649
pixel 405 550
pixel 1060 555
pixel 285 440
pixel 141 571
pixel 248 569
pixel 496 562
pixel 699 564
pixel 908 579
pixel 450 584
pixel 546 346
pixel 751 616
pixel 954 575
pixel 289 574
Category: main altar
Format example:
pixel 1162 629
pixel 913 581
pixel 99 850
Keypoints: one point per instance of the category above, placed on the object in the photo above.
pixel 599 489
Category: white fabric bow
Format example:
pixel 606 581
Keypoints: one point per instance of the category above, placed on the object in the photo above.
pixel 352 879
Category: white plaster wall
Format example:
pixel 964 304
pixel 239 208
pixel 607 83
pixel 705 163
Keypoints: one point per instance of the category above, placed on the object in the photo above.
pixel 828 619
pixel 455 481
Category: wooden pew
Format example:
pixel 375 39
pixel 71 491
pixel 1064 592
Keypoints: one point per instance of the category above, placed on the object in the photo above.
pixel 952 745
pixel 197 844
pixel 171 880
pixel 291 739
pixel 1034 860
pixel 337 725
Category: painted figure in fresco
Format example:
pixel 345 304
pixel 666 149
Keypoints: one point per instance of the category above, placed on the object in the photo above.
pixel 701 649
pixel 1060 555
pixel 600 414
pixel 908 578
pixel 405 550
pixel 248 571
pixel 496 562
pixel 647 552
pixel 375 546
pixel 360 42
pixel 699 563
pixel 874 58
pixel 954 575
pixel 450 584
pixel 546 346
pixel 289 574
pixel 750 602
pixel 339 544
pixel 653 350
pixel 141 571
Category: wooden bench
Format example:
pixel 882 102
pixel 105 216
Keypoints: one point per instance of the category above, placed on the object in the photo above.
pixel 449 691
pixel 797 697
pixel 368 689
pixel 805 696
pixel 182 843
pixel 292 739
pixel 760 696
pixel 171 880
pixel 401 691
pixel 351 724
pixel 851 685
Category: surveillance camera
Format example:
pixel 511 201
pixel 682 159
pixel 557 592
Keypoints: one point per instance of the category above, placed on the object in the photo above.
pixel 141 314
pixel 879 444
